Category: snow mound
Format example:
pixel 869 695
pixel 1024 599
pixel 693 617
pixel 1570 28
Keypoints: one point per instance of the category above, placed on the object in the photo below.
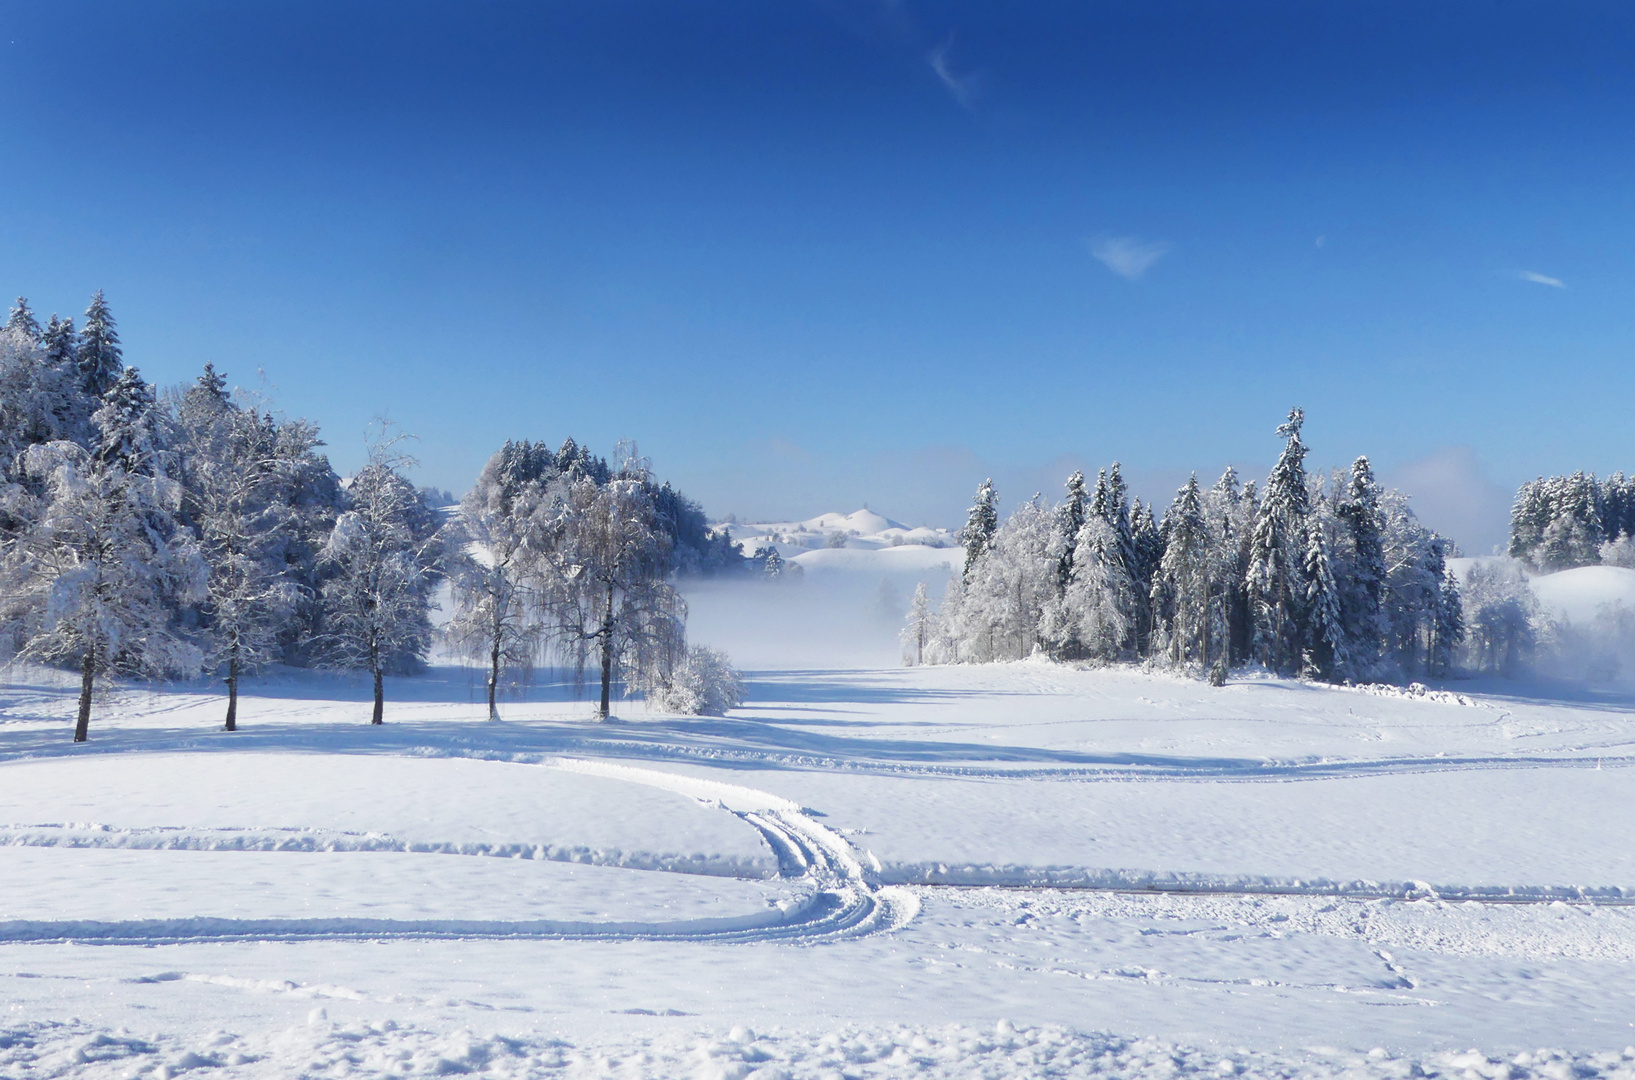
pixel 861 529
pixel 1578 595
pixel 863 522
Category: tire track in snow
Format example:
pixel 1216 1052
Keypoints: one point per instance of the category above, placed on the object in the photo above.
pixel 841 901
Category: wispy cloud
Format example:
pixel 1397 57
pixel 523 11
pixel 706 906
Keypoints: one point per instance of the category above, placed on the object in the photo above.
pixel 1128 257
pixel 964 88
pixel 1540 279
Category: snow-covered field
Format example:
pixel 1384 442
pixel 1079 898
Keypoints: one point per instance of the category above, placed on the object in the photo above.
pixel 1014 870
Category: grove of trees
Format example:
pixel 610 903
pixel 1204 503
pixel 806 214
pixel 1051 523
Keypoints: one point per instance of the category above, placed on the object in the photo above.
pixel 1330 577
pixel 197 531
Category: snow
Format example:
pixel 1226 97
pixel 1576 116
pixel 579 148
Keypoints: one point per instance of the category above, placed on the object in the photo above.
pixel 1580 594
pixel 908 559
pixel 866 870
pixel 861 530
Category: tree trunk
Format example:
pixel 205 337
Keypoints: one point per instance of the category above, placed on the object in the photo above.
pixel 380 699
pixel 493 680
pixel 232 689
pixel 88 667
pixel 607 656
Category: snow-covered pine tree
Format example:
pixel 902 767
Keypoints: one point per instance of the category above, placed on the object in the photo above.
pixel 61 341
pixel 1617 507
pixel 1276 555
pixel 1574 535
pixel 1147 542
pixel 22 321
pixel 1070 519
pixel 1100 598
pixel 383 564
pixel 1119 517
pixel 97 352
pixel 1449 630
pixel 1231 517
pixel 40 402
pixel 1363 594
pixel 1181 586
pixel 105 565
pixel 1324 655
pixel 981 522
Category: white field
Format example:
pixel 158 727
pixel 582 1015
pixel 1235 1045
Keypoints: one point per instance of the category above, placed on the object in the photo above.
pixel 867 870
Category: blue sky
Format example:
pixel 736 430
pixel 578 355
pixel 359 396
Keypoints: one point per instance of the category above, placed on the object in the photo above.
pixel 826 252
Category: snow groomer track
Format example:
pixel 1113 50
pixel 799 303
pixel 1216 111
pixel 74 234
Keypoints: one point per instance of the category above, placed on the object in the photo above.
pixel 834 898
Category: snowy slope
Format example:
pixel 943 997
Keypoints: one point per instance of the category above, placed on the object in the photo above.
pixel 1272 878
pixel 1580 594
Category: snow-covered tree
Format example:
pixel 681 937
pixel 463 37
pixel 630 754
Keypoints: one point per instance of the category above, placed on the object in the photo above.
pixel 980 524
pixel 1181 589
pixel 101 572
pixel 383 557
pixel 1449 628
pixel 40 400
pixel 494 577
pixel 606 561
pixel 1275 574
pixel 233 475
pixel 1012 585
pixel 1070 517
pixel 1100 598
pixel 22 322
pixel 1325 655
pixel 98 353
pixel 1362 603
pixel 1499 616
pixel 704 683
pixel 1620 552
pixel 916 635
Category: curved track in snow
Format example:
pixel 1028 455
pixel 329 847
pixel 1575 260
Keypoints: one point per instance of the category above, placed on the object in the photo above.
pixel 839 899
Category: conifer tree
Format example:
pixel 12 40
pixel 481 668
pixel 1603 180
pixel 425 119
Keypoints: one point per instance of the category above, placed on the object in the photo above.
pixel 98 353
pixel 1147 545
pixel 22 321
pixel 1070 519
pixel 1362 605
pixel 981 523
pixel 1276 554
pixel 1325 655
pixel 1181 586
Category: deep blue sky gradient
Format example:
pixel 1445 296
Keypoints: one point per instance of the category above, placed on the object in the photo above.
pixel 813 254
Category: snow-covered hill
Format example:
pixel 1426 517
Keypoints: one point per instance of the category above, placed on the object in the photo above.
pixel 862 530
pixel 1580 595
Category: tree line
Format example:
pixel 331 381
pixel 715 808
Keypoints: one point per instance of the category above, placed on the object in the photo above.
pixel 1562 522
pixel 1330 577
pixel 167 534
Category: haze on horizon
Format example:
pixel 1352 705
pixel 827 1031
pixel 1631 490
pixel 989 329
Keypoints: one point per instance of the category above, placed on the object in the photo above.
pixel 831 253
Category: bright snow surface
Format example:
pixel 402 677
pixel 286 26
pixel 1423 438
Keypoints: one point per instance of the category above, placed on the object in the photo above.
pixel 1267 878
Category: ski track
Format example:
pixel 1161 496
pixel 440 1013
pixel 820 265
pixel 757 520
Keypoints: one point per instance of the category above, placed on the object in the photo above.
pixel 840 901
